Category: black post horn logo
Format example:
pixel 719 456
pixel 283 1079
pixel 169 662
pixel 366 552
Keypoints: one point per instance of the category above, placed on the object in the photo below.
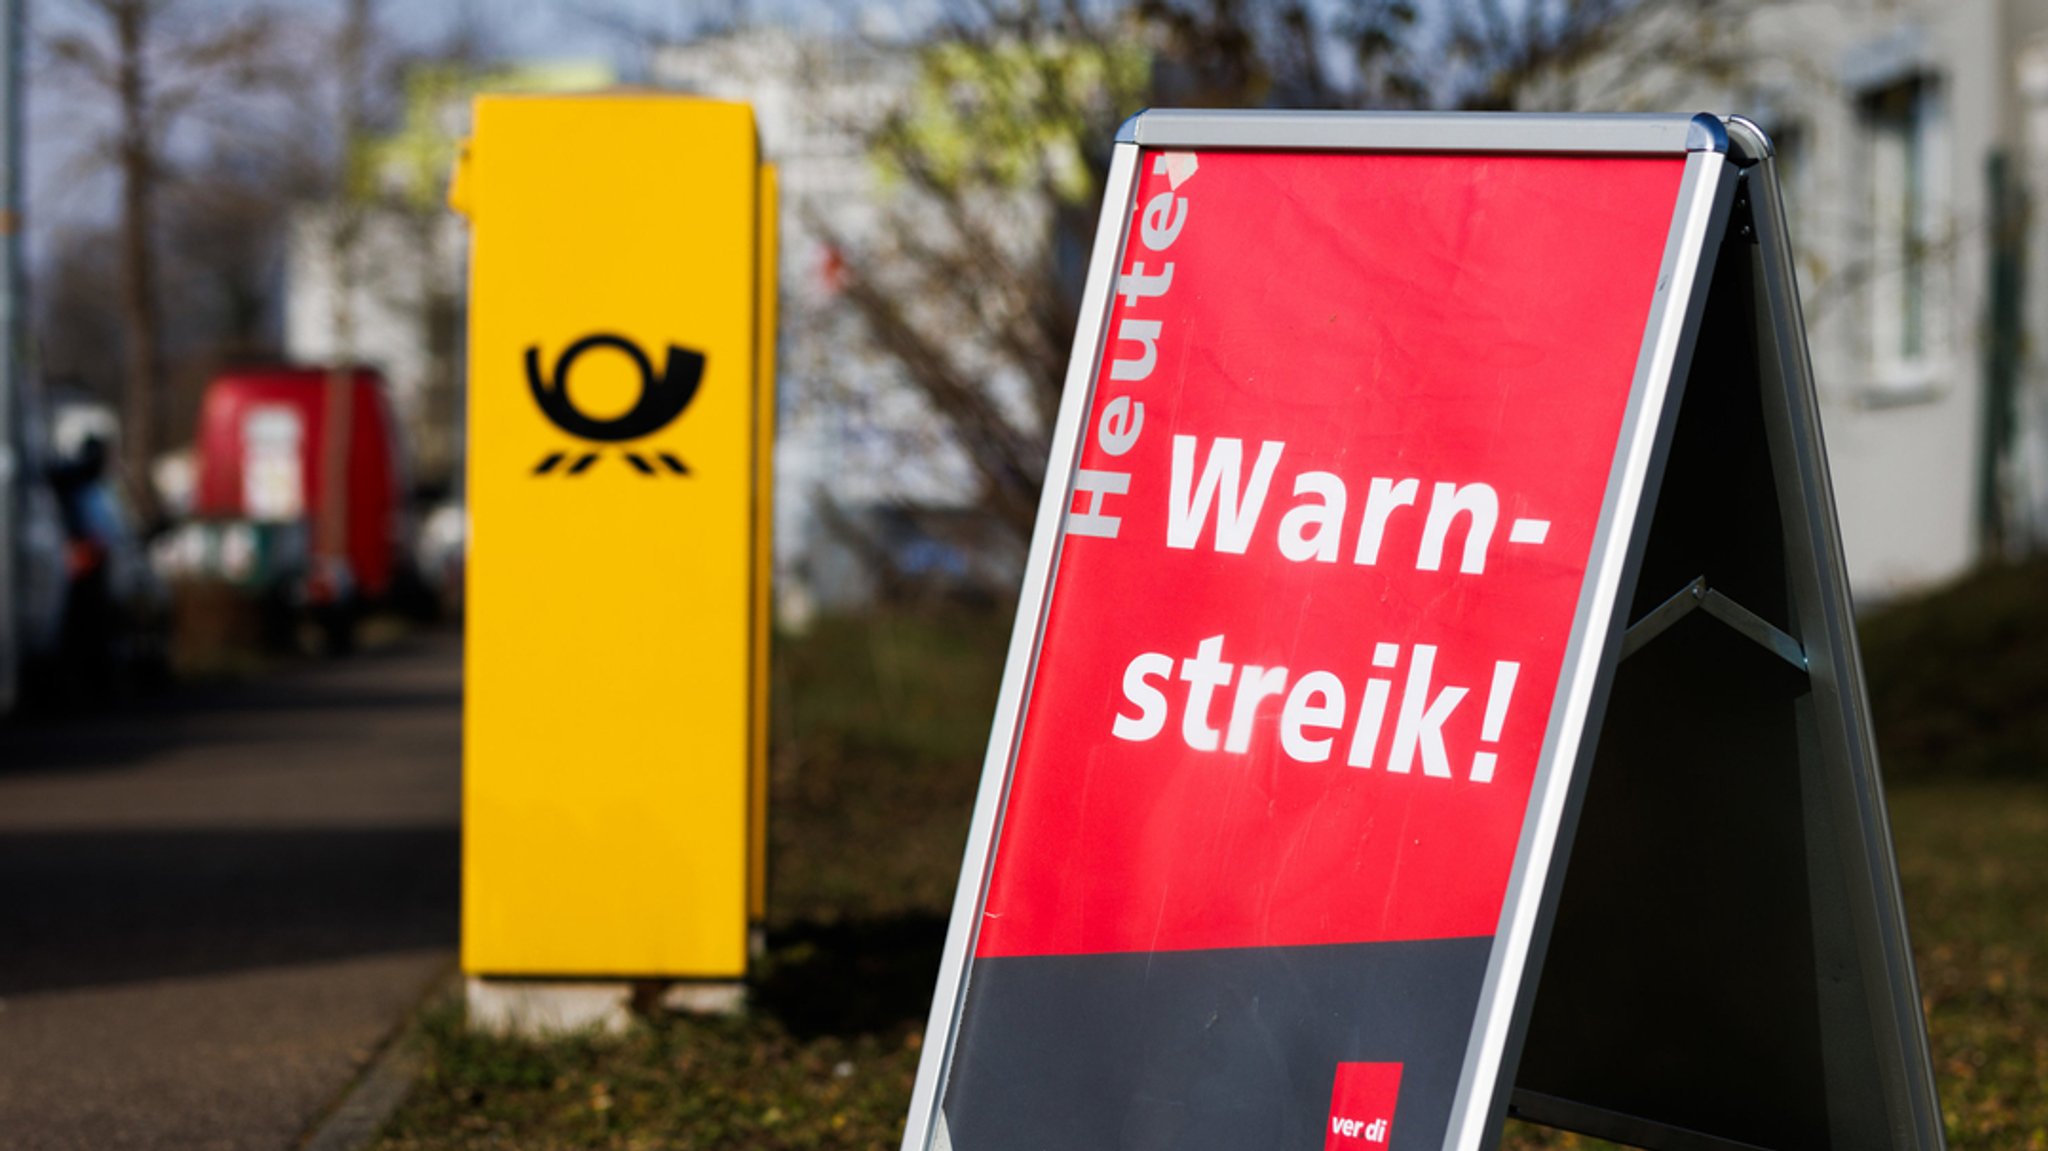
pixel 662 399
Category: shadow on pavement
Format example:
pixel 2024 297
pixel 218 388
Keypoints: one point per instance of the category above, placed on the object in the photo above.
pixel 324 695
pixel 335 790
pixel 84 908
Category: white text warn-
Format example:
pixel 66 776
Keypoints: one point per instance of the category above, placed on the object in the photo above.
pixel 1314 527
pixel 1315 709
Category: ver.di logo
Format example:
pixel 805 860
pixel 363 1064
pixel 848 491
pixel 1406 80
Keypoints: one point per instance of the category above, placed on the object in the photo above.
pixel 662 399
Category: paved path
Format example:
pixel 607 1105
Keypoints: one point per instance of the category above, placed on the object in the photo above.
pixel 214 907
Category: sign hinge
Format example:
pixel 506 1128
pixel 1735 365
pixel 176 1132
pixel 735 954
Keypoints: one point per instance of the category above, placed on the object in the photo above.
pixel 1741 219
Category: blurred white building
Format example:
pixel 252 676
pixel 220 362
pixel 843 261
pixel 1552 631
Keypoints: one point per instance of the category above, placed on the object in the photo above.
pixel 1911 136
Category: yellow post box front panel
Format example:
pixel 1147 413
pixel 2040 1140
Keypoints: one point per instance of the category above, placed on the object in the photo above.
pixel 614 441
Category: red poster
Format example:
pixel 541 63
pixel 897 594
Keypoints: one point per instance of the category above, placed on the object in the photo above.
pixel 1342 470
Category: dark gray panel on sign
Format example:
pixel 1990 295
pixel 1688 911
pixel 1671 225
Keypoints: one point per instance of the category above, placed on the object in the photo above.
pixel 1205 1050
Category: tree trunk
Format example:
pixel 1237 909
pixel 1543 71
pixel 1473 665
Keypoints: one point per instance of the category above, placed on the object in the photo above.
pixel 141 320
pixel 331 518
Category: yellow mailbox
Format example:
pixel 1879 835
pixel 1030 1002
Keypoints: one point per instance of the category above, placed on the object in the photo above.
pixel 620 420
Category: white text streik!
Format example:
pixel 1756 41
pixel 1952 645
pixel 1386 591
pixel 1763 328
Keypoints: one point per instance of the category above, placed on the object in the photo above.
pixel 1315 710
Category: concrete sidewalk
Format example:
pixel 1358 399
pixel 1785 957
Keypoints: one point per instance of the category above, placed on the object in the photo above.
pixel 214 908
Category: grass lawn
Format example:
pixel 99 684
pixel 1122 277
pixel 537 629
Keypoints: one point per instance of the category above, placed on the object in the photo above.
pixel 879 731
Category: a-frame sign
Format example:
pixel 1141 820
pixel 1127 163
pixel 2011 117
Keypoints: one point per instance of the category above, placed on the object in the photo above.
pixel 1434 695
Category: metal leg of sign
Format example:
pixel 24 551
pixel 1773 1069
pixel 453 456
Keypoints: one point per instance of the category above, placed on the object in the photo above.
pixel 1853 791
pixel 1727 966
pixel 926 1125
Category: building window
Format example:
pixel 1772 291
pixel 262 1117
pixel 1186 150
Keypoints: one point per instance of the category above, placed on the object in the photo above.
pixel 1908 242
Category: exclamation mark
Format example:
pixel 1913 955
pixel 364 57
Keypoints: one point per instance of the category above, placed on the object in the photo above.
pixel 1497 698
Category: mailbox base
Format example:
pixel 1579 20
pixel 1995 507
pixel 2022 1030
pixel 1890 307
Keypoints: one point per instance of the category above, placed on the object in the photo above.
pixel 553 1008
pixel 545 1009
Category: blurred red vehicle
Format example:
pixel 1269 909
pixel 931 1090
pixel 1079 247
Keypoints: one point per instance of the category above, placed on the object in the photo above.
pixel 277 448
